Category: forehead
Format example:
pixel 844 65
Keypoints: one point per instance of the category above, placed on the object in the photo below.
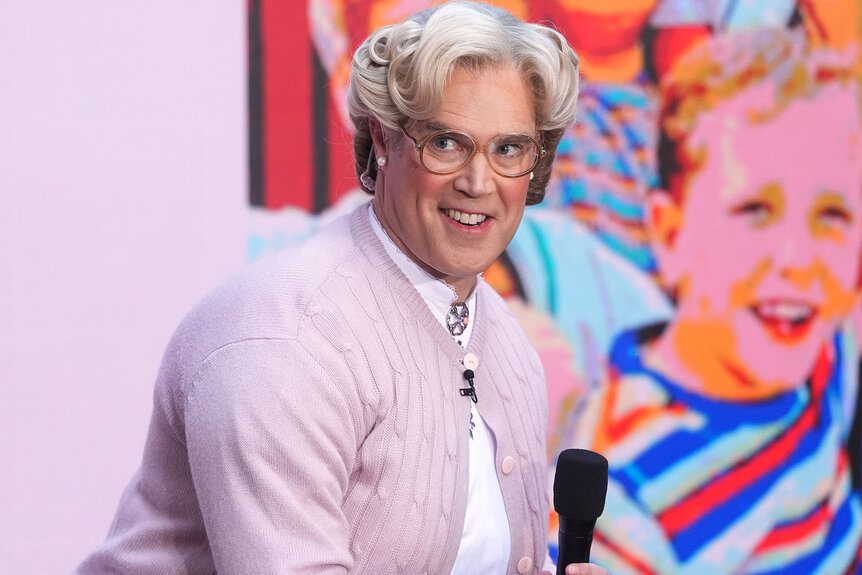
pixel 836 105
pixel 487 102
pixel 752 139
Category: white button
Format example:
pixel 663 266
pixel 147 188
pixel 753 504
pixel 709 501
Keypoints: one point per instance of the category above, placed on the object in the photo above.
pixel 525 564
pixel 507 465
pixel 471 361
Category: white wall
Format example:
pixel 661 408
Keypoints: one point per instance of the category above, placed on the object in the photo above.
pixel 122 201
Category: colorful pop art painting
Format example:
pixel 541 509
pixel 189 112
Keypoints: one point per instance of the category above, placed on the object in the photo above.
pixel 691 280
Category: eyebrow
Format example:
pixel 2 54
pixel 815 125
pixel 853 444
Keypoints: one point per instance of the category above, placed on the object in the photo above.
pixel 436 125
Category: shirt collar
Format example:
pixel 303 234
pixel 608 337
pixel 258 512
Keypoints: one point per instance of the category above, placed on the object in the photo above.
pixel 438 295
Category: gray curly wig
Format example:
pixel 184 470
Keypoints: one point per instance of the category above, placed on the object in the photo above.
pixel 400 73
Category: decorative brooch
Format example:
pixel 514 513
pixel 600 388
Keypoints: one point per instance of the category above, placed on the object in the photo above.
pixel 457 318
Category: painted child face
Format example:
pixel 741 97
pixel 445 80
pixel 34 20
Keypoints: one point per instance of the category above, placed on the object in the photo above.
pixel 766 249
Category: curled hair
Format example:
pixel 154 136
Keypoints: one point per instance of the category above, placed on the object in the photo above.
pixel 400 73
pixel 777 60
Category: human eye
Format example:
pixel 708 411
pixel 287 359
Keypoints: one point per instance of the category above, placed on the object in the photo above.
pixel 836 216
pixel 757 212
pixel 512 147
pixel 830 215
pixel 762 209
pixel 445 142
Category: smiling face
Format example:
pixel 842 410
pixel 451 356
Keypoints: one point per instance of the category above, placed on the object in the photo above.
pixel 456 225
pixel 765 250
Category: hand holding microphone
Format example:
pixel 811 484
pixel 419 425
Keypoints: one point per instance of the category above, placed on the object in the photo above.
pixel 580 487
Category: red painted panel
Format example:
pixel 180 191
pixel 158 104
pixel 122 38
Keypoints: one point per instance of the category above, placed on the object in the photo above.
pixel 287 88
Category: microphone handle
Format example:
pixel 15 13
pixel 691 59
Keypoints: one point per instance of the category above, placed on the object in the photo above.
pixel 575 538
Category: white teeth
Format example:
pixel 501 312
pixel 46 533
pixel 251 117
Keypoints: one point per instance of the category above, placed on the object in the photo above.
pixel 465 218
pixel 787 311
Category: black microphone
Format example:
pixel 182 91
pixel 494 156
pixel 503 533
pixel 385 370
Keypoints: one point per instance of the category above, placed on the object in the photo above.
pixel 580 487
pixel 469 391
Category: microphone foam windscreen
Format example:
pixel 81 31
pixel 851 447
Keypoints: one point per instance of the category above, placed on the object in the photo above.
pixel 580 484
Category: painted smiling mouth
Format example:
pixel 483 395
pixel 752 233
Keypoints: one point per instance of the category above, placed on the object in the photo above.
pixel 785 318
pixel 466 218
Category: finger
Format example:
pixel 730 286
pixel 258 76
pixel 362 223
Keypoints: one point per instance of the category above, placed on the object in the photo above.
pixel 584 569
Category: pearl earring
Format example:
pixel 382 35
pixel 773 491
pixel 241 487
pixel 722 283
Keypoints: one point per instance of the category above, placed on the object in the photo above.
pixel 531 176
pixel 381 161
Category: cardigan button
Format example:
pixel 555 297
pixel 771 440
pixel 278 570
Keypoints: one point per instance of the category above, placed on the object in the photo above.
pixel 508 464
pixel 525 564
pixel 470 361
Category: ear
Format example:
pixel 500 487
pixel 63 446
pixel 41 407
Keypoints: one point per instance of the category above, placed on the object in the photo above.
pixel 377 136
pixel 664 220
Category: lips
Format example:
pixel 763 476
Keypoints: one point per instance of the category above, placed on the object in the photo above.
pixel 465 218
pixel 786 320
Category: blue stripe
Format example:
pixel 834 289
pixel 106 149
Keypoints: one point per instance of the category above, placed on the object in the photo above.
pixel 721 418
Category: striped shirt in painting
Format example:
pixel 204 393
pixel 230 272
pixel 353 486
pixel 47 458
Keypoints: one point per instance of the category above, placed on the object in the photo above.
pixel 702 486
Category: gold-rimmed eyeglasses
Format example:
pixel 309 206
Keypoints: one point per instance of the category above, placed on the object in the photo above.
pixel 447 151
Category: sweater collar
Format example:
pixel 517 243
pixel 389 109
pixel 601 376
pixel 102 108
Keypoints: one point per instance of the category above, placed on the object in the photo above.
pixel 397 282
pixel 438 295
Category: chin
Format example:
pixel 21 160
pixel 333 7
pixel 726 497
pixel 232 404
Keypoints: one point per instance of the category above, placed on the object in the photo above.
pixel 785 367
pixel 465 269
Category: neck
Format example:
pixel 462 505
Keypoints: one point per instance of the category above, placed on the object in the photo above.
pixel 688 360
pixel 463 286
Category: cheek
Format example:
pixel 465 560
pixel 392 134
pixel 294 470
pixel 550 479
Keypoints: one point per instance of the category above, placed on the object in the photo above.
pixel 428 186
pixel 837 268
pixel 514 190
pixel 513 195
pixel 840 287
pixel 743 292
pixel 724 276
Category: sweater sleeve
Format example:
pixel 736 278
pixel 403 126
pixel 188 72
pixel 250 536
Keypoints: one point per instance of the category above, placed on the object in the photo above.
pixel 271 444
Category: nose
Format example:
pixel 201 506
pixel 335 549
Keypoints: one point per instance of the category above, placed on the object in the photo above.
pixel 476 179
pixel 797 260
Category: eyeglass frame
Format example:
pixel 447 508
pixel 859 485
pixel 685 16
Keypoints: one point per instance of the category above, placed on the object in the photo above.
pixel 420 147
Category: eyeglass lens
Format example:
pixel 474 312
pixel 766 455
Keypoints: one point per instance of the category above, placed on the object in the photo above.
pixel 509 154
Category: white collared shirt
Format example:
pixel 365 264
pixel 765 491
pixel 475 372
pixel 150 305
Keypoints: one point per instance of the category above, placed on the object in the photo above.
pixel 486 541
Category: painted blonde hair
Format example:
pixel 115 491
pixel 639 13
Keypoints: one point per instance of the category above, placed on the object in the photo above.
pixel 721 68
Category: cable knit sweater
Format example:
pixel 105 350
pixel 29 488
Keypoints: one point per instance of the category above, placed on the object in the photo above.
pixel 307 419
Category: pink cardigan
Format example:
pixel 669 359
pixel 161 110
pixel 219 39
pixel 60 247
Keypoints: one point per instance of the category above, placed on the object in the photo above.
pixel 307 419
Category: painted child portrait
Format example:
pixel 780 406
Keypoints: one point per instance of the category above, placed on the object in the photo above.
pixel 726 427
